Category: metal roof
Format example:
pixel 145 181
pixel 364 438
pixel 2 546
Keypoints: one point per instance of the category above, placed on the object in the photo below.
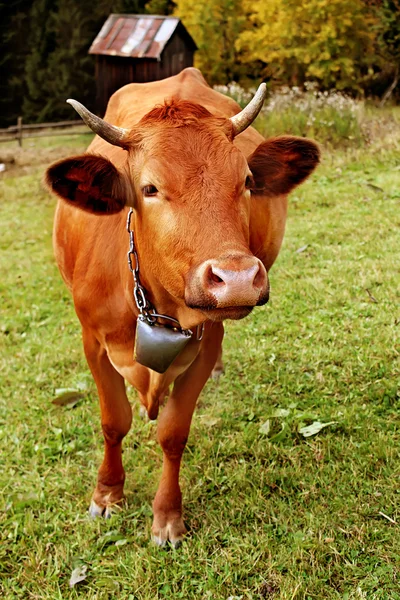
pixel 138 36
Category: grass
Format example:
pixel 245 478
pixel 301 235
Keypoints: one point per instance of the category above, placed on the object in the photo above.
pixel 333 118
pixel 336 121
pixel 275 516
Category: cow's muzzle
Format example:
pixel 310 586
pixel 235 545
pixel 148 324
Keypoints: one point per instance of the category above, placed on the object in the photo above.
pixel 231 285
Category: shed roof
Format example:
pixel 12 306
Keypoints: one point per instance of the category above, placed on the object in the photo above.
pixel 138 36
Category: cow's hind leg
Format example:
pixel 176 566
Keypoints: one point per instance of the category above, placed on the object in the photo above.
pixel 173 430
pixel 116 418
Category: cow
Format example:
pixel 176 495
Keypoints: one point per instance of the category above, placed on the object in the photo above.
pixel 206 196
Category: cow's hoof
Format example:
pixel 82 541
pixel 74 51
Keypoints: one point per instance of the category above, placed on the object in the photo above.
pixel 99 511
pixel 143 413
pixel 106 501
pixel 216 373
pixel 172 532
pixel 95 510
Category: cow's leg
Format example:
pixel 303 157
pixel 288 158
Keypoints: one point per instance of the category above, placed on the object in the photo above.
pixel 116 418
pixel 173 430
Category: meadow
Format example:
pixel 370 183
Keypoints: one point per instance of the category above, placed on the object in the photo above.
pixel 273 513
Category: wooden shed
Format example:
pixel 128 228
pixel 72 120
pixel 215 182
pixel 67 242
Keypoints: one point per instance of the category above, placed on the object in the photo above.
pixel 138 48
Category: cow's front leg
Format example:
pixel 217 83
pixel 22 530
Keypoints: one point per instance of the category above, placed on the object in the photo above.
pixel 172 431
pixel 116 418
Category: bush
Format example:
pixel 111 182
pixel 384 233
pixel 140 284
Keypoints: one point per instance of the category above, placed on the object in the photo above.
pixel 333 118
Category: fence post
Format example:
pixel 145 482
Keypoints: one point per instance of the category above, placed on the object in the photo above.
pixel 19 132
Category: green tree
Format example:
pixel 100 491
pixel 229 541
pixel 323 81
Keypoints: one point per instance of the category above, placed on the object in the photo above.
pixel 328 41
pixel 41 44
pixel 215 26
pixel 53 66
pixel 388 14
pixel 160 7
pixel 58 65
pixel 14 30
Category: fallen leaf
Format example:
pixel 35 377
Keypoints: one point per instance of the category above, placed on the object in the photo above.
pixel 78 575
pixel 111 537
pixel 121 542
pixel 376 188
pixel 82 386
pixel 265 428
pixel 67 397
pixel 314 428
pixel 279 412
pixel 61 391
pixel 209 421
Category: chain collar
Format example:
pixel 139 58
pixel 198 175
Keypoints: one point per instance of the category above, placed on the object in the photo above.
pixel 146 310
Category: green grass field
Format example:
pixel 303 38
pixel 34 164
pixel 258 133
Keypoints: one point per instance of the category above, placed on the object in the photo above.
pixel 272 514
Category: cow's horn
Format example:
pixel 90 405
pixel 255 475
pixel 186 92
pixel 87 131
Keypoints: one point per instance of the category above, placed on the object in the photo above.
pixel 112 134
pixel 245 118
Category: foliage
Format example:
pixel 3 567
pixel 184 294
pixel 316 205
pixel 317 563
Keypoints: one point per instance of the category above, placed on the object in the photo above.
pixel 388 13
pixel 237 92
pixel 59 51
pixel 290 518
pixel 215 25
pixel 14 30
pixel 331 42
pixel 333 118
pixel 351 45
pixel 52 56
pixel 160 7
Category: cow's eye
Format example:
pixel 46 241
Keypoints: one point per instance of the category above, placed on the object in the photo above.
pixel 150 190
pixel 249 183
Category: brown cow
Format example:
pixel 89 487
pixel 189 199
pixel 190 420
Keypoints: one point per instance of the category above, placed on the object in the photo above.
pixel 209 212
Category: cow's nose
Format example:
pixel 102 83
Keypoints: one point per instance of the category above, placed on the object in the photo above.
pixel 239 282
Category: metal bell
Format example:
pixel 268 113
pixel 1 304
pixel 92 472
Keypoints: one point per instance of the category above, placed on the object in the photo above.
pixel 157 346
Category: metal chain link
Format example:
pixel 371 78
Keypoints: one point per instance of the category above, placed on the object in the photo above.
pixel 139 292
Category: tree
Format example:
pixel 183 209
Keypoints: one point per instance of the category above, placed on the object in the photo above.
pixel 388 13
pixel 58 65
pixel 56 34
pixel 328 41
pixel 160 7
pixel 215 26
pixel 14 30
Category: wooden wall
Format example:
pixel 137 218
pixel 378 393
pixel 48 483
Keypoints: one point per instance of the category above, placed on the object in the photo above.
pixel 112 72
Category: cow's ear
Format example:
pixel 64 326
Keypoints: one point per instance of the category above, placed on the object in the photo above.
pixel 279 164
pixel 91 183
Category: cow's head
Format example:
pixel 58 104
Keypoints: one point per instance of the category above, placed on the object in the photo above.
pixel 192 191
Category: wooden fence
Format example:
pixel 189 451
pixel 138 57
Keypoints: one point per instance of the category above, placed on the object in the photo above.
pixel 20 131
